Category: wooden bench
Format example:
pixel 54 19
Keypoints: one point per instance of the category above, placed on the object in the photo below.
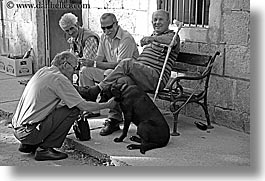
pixel 189 67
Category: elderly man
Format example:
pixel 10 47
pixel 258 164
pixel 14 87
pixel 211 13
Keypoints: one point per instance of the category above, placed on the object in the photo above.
pixel 83 43
pixel 115 45
pixel 40 121
pixel 145 70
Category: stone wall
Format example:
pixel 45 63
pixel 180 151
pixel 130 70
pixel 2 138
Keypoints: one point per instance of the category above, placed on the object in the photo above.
pixel 20 29
pixel 229 90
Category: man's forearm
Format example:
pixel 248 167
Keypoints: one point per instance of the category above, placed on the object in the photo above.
pixel 106 65
pixel 164 38
pixel 92 106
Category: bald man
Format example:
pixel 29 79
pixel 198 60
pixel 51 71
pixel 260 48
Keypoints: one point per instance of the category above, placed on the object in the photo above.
pixel 40 121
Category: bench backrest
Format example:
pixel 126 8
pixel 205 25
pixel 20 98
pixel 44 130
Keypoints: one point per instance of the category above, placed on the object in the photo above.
pixel 194 59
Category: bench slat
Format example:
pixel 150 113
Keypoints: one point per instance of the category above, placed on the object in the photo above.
pixel 193 59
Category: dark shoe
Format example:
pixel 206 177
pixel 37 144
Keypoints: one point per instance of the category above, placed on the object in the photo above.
pixel 25 148
pixel 91 115
pixel 110 126
pixel 49 154
pixel 200 125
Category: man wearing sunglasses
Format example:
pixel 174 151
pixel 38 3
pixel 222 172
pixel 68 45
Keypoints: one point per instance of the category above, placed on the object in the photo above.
pixel 48 108
pixel 115 45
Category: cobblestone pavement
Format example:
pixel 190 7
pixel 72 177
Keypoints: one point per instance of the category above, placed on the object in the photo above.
pixel 10 156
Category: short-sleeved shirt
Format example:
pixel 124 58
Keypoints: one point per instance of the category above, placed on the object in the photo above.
pixel 45 90
pixel 122 46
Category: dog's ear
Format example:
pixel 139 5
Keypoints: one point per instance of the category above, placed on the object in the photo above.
pixel 123 87
pixel 118 99
pixel 116 92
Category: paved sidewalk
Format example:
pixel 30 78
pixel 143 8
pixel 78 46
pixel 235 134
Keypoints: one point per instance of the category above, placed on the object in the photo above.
pixel 213 148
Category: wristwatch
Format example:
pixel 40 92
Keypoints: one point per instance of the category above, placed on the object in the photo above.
pixel 95 64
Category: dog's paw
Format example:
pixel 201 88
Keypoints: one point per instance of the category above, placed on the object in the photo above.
pixel 135 139
pixel 142 151
pixel 130 147
pixel 132 138
pixel 117 140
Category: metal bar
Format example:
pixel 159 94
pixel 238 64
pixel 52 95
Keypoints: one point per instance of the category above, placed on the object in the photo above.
pixel 183 10
pixel 177 5
pixel 196 12
pixel 189 12
pixel 3 27
pixel 203 12
pixel 166 5
pixel 172 11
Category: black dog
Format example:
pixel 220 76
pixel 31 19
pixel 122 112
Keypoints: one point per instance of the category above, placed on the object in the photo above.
pixel 138 108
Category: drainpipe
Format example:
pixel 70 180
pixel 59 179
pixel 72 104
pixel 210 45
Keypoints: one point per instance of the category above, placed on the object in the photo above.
pixel 3 25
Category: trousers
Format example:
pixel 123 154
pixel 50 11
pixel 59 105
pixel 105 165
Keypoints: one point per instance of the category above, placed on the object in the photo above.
pixel 89 76
pixel 52 131
pixel 144 76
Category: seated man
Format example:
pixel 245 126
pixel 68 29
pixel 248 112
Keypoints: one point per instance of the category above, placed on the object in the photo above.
pixel 40 121
pixel 145 70
pixel 115 45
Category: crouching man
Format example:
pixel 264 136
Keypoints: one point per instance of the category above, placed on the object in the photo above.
pixel 41 122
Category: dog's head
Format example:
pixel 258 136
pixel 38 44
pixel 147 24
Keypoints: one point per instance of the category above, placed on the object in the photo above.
pixel 117 90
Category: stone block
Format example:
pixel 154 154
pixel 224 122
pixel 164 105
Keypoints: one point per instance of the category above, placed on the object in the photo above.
pixel 210 49
pixel 242 96
pixel 237 61
pixel 190 47
pixel 127 19
pixel 229 118
pixel 94 15
pixel 128 4
pixel 96 4
pixel 141 25
pixel 246 122
pixel 113 4
pixel 145 5
pixel 236 28
pixel 221 92
pixel 195 111
pixel 236 5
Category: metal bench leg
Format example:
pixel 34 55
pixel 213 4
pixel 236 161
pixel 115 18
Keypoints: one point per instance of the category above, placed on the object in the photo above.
pixel 175 124
pixel 205 108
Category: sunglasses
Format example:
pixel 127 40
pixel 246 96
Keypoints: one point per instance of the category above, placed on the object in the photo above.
pixel 108 27
pixel 77 67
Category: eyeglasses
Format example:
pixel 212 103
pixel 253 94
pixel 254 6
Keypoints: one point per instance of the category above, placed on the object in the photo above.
pixel 108 27
pixel 74 67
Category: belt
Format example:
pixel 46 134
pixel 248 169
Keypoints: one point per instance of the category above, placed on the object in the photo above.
pixel 25 125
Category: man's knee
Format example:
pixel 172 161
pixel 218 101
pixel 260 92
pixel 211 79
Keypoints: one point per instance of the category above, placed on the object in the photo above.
pixel 84 70
pixel 125 80
pixel 75 111
pixel 126 61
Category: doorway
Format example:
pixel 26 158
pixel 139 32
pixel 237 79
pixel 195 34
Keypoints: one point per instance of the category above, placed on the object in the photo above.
pixel 57 39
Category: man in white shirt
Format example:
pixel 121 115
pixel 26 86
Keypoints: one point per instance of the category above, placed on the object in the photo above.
pixel 115 45
pixel 40 122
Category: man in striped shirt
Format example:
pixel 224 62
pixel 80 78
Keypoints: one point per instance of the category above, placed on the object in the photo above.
pixel 145 70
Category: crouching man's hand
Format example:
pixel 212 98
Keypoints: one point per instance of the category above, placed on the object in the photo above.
pixel 111 103
pixel 94 106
